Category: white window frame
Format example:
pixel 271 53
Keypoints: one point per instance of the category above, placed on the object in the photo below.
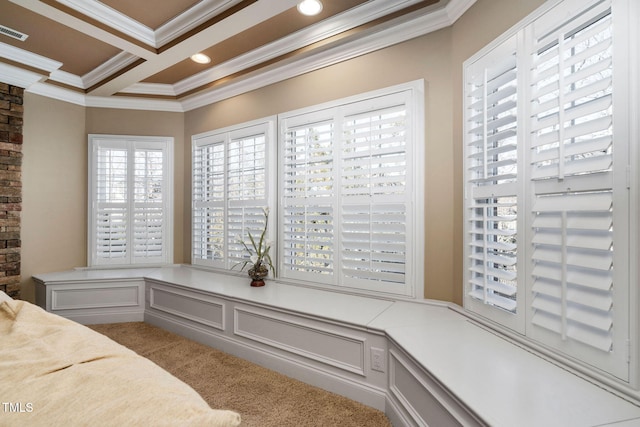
pixel 130 143
pixel 252 220
pixel 412 95
pixel 620 368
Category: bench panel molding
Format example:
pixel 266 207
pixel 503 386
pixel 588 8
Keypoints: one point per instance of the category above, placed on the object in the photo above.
pixel 333 347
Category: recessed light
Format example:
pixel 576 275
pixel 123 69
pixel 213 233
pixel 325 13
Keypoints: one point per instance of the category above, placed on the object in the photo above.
pixel 200 58
pixel 310 7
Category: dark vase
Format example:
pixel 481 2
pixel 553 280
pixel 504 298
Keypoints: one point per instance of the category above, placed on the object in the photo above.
pixel 257 273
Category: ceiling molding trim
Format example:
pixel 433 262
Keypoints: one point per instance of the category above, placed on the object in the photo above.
pixel 151 89
pixel 455 9
pixel 191 18
pixel 372 41
pixel 379 40
pixel 133 103
pixel 112 18
pixel 67 78
pixel 108 68
pixel 341 23
pixel 84 27
pixel 224 29
pixel 28 58
pixel 56 92
pixel 66 95
pixel 19 77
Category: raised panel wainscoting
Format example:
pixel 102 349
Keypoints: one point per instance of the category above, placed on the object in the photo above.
pixel 422 363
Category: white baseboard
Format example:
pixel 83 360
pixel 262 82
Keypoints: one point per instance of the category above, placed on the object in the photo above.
pixel 98 318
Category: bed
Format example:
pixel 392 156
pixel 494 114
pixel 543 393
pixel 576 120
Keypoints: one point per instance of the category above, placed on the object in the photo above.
pixel 54 371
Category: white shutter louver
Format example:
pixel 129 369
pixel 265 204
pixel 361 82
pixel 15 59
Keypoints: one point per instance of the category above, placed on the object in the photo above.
pixel 230 191
pixel 208 202
pixel 374 197
pixel 148 204
pixel 308 204
pixel 246 192
pixel 131 205
pixel 349 193
pixel 570 205
pixel 112 218
pixel 572 152
pixel 492 171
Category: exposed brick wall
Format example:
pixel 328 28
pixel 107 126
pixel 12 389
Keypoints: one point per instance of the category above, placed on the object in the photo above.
pixel 11 110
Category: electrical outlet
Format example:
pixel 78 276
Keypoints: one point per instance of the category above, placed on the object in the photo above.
pixel 377 359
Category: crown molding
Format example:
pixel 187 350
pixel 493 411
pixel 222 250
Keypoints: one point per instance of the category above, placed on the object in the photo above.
pixel 191 18
pixel 184 22
pixel 72 21
pixel 112 18
pixel 29 59
pixel 389 36
pixel 19 77
pixel 392 33
pixel 455 9
pixel 160 89
pixel 67 78
pixel 328 28
pixel 108 68
pixel 56 92
pixel 331 27
pixel 127 103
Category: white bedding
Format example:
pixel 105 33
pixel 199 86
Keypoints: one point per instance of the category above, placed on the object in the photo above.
pixel 55 372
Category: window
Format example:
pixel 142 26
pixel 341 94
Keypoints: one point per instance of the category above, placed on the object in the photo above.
pixel 350 174
pixel 351 180
pixel 130 200
pixel 547 161
pixel 232 176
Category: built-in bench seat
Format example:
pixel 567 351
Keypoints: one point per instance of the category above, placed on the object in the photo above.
pixel 423 363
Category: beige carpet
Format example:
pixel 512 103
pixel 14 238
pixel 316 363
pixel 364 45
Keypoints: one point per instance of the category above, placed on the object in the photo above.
pixel 263 397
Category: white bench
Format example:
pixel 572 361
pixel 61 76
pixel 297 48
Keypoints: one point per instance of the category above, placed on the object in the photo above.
pixel 422 363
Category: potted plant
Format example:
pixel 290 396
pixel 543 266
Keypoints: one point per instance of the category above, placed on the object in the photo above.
pixel 259 261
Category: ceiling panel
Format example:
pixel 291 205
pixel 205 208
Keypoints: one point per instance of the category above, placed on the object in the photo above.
pixel 152 13
pixel 78 52
pixel 266 32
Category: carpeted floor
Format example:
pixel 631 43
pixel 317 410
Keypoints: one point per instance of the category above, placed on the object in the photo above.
pixel 263 397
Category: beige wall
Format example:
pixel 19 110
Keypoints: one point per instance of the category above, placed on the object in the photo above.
pixel 425 58
pixel 54 188
pixel 55 157
pixel 151 123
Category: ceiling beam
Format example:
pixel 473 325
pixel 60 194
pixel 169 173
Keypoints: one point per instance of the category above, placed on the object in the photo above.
pixel 78 24
pixel 226 28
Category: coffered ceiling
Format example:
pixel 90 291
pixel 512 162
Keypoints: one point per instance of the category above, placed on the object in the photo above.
pixel 136 54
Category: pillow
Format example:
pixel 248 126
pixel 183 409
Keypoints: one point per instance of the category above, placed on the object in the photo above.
pixel 4 297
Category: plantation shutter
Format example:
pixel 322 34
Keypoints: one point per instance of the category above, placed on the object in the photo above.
pixel 375 200
pixel 308 198
pixel 579 221
pixel 491 163
pixel 230 192
pixel 208 202
pixel 348 187
pixel 568 203
pixel 246 190
pixel 148 204
pixel 112 220
pixel 130 209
